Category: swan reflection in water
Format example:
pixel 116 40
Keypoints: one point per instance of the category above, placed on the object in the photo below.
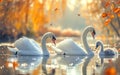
pixel 67 63
pixel 106 66
pixel 57 65
pixel 24 64
pixel 36 65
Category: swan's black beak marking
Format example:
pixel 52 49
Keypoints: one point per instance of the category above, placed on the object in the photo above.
pixel 96 46
pixel 53 39
pixel 93 34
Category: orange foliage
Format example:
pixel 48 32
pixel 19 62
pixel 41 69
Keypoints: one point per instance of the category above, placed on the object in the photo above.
pixel 116 10
pixel 31 14
pixel 118 14
pixel 107 22
pixel 107 4
pixel 41 13
pixel 110 71
pixel 112 16
pixel 104 15
pixel 18 25
pixel 113 8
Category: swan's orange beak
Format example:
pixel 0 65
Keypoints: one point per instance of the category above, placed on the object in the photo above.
pixel 53 40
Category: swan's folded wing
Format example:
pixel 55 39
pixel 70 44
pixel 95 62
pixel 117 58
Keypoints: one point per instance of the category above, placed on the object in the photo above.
pixel 29 53
pixel 70 47
pixel 27 44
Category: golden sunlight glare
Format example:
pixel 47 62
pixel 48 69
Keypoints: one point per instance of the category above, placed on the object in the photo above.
pixel 71 4
pixel 84 2
pixel 41 1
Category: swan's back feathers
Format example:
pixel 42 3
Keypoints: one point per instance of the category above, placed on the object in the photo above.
pixel 111 51
pixel 25 43
pixel 108 53
pixel 70 47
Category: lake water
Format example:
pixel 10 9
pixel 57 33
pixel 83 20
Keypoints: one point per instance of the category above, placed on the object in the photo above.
pixel 57 64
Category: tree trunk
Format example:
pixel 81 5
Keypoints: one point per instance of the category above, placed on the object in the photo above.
pixel 116 31
pixel 118 21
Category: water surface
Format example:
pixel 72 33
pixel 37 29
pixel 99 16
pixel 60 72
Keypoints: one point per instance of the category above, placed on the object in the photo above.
pixel 57 64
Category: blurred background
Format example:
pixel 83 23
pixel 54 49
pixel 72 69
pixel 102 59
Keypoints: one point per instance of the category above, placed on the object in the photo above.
pixel 65 18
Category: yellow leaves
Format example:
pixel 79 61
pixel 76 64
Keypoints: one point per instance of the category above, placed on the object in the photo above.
pixel 107 21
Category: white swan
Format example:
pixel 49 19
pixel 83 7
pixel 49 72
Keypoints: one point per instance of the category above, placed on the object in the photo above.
pixel 69 47
pixel 27 46
pixel 108 52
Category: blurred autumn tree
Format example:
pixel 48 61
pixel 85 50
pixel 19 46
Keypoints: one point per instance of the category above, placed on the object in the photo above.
pixel 103 14
pixel 21 17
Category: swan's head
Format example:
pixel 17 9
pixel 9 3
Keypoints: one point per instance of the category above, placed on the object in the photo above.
pixel 53 39
pixel 93 33
pixel 98 43
pixel 92 30
pixel 52 36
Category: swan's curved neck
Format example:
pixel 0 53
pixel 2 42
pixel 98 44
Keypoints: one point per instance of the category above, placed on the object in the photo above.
pixel 85 43
pixel 101 47
pixel 44 48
